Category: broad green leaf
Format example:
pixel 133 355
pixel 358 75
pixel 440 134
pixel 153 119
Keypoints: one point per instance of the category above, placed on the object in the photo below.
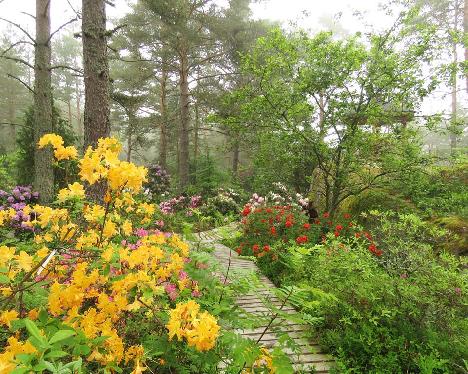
pixel 61 335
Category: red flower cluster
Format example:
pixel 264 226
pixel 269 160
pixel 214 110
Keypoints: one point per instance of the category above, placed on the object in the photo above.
pixel 247 210
pixel 302 239
pixel 265 225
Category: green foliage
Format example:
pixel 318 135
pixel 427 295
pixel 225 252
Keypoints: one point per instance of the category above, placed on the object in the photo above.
pixel 8 171
pixel 438 190
pixel 206 176
pixel 401 312
pixel 26 146
pixel 348 121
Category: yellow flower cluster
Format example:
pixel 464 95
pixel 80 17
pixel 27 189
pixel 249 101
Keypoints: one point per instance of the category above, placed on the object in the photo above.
pixel 60 152
pixel 13 348
pixel 6 215
pixel 94 280
pixel 12 264
pixel 199 329
pixel 103 163
pixel 264 361
pixel 75 190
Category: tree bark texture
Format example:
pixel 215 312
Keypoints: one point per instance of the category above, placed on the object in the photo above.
pixel 43 158
pixel 465 35
pixel 184 119
pixel 163 124
pixel 453 134
pixel 96 72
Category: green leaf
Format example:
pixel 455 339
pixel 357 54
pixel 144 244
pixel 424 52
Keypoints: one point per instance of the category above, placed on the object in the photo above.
pixel 61 335
pixel 56 354
pixel 81 350
pixel 20 371
pixel 34 331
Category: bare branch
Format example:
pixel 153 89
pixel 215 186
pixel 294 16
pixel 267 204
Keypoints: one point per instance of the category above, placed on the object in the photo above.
pixel 18 60
pixel 78 15
pixel 29 14
pixel 22 82
pixel 61 27
pixel 14 45
pixel 20 28
pixel 67 67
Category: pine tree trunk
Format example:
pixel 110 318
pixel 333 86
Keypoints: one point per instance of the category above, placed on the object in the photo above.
pixel 465 36
pixel 78 112
pixel 235 157
pixel 163 124
pixel 453 133
pixel 196 136
pixel 96 72
pixel 43 158
pixel 184 119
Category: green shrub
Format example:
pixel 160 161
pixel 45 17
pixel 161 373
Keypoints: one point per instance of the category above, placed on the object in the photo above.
pixel 403 311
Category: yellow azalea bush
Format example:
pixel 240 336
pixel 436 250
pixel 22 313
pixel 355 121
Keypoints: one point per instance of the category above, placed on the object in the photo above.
pixel 91 270
pixel 199 329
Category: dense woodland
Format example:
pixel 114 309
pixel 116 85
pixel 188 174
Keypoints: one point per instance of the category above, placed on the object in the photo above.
pixel 337 160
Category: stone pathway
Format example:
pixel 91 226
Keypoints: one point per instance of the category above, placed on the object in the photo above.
pixel 305 355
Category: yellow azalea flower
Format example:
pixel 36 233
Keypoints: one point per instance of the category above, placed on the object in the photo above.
pixel 75 190
pixel 6 291
pixel 6 255
pixel 65 153
pixel 127 227
pixel 199 329
pixel 134 352
pixel 7 317
pixel 33 314
pixel 107 254
pixel 204 332
pixel 67 231
pixel 94 213
pixel 55 140
pixel 41 253
pixel 138 369
pixel 24 261
pixel 128 175
pixel 109 229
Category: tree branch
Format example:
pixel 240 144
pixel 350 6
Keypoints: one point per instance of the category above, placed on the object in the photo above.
pixel 22 82
pixel 60 28
pixel 67 67
pixel 14 45
pixel 20 28
pixel 17 59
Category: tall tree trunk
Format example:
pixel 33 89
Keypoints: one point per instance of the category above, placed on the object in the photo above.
pixel 235 156
pixel 465 37
pixel 43 158
pixel 453 133
pixel 163 124
pixel 69 111
pixel 11 119
pixel 196 135
pixel 79 123
pixel 184 157
pixel 96 72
